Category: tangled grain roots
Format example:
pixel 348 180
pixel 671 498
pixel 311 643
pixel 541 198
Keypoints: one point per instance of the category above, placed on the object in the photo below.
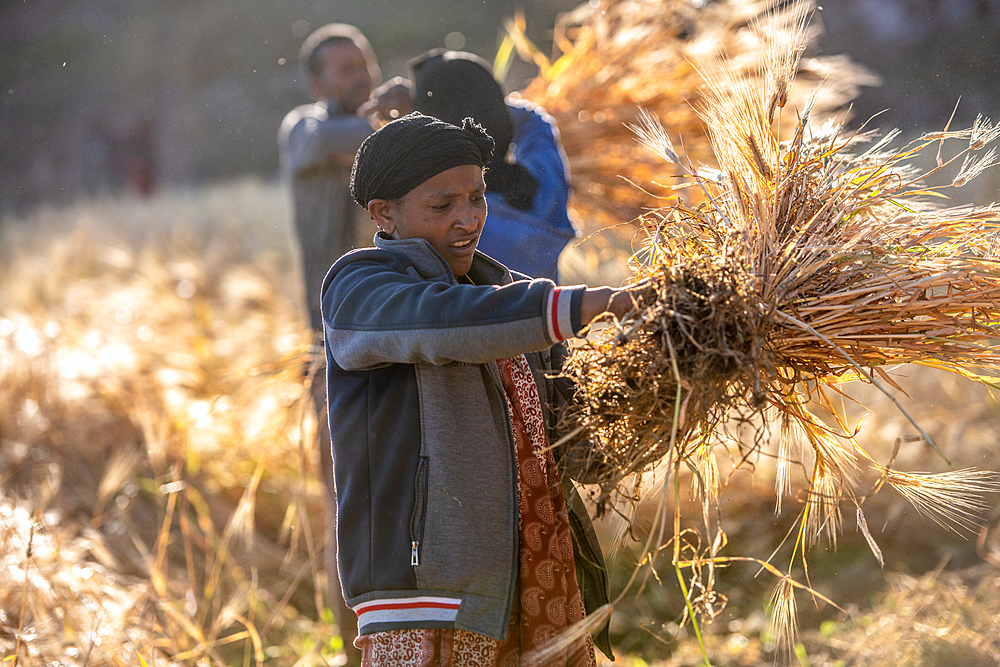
pixel 694 346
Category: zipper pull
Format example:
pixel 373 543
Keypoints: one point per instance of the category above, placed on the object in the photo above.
pixel 414 556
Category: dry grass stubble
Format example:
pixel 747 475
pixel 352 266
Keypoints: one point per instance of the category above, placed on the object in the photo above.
pixel 159 496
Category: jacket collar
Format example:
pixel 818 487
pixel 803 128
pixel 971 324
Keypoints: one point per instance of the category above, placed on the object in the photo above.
pixel 429 263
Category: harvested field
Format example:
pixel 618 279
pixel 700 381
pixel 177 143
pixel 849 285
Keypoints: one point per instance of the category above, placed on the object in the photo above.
pixel 139 471
pixel 159 496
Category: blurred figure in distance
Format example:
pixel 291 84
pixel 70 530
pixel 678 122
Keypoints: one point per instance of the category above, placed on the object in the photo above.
pixel 317 143
pixel 528 179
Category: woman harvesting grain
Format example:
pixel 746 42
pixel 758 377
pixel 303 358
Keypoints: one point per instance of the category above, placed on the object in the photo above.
pixel 456 546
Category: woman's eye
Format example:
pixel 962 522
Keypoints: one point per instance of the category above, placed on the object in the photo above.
pixel 439 207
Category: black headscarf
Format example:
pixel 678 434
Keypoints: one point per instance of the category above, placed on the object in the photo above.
pixel 452 85
pixel 402 154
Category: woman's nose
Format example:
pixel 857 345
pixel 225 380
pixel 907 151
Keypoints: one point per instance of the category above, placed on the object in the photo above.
pixel 468 216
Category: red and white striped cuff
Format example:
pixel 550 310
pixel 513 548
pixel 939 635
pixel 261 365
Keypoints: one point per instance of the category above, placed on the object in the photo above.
pixel 418 609
pixel 558 318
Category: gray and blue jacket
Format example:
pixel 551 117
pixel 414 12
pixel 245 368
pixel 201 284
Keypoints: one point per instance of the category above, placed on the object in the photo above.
pixel 424 460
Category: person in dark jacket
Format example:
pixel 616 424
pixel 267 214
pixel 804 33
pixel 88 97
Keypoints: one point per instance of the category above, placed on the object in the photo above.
pixel 527 180
pixel 458 543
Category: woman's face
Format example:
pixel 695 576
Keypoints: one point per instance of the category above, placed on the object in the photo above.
pixel 448 210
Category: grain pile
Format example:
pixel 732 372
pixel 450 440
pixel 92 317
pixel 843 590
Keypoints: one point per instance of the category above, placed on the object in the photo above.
pixel 621 55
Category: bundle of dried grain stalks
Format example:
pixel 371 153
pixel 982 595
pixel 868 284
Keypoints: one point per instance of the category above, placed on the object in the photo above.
pixel 815 259
pixel 618 55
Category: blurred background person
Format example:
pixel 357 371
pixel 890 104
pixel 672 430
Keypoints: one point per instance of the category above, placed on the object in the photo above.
pixel 317 143
pixel 527 181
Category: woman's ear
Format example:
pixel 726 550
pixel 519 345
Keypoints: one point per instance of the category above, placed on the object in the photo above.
pixel 383 213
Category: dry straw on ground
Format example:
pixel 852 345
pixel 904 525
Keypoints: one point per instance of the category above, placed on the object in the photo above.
pixel 158 497
pixel 816 257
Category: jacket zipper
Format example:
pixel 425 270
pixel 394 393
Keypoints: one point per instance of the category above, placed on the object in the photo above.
pixel 417 518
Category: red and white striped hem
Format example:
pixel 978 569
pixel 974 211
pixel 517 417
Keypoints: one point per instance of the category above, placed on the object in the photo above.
pixel 407 610
pixel 558 320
